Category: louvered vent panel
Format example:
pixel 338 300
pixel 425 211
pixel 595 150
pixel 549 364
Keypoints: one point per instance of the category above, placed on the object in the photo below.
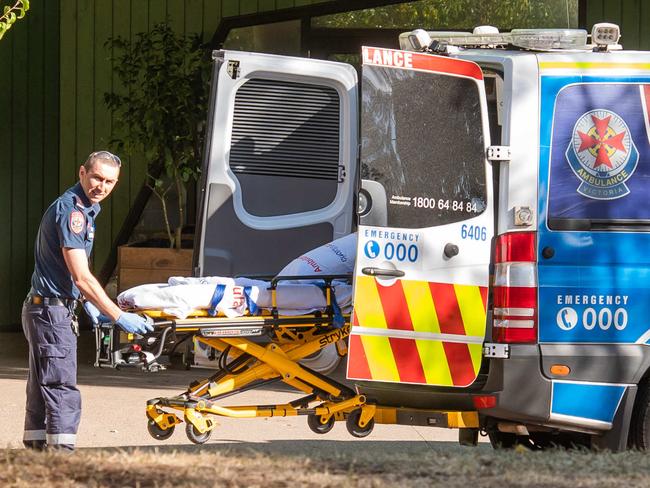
pixel 281 128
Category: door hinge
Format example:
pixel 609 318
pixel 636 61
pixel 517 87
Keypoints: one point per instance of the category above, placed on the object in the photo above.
pixel 499 351
pixel 233 69
pixel 498 153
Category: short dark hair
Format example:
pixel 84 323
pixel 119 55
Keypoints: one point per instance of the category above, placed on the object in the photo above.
pixel 107 156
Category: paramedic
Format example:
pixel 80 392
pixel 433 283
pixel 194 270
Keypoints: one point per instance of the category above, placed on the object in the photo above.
pixel 61 275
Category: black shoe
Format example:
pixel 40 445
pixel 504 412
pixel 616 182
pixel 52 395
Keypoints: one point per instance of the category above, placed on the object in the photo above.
pixel 35 445
pixel 67 448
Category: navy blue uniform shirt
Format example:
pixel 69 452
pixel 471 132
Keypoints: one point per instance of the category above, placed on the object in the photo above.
pixel 68 222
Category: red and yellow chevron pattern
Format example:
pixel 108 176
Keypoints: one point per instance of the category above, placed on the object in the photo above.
pixel 417 332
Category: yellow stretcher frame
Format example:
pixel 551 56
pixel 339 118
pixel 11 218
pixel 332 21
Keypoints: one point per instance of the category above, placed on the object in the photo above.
pixel 326 400
pixel 252 365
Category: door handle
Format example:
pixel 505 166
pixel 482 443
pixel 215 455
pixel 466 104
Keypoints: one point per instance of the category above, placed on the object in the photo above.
pixel 394 273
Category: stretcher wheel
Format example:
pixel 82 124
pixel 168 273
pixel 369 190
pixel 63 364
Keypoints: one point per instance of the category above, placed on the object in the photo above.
pixel 195 436
pixel 157 433
pixel 315 424
pixel 352 424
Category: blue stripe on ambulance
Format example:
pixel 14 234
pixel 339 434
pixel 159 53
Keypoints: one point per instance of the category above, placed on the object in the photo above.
pixel 590 401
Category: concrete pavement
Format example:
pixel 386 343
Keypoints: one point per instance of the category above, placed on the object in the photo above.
pixel 114 411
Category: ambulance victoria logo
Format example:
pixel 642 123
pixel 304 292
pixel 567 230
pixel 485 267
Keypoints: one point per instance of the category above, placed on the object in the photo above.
pixel 77 221
pixel 602 154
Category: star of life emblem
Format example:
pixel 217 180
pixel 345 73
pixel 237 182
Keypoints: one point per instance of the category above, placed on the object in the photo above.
pixel 602 155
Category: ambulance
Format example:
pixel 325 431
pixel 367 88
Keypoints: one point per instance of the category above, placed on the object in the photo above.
pixel 499 185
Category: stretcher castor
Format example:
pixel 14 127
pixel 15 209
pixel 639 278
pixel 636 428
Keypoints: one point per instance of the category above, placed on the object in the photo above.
pixel 157 433
pixel 195 436
pixel 352 423
pixel 316 424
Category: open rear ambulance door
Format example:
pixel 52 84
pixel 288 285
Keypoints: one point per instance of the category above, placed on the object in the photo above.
pixel 426 226
pixel 279 172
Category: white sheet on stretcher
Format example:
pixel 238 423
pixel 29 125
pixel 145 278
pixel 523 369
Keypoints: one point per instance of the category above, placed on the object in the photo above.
pixel 181 295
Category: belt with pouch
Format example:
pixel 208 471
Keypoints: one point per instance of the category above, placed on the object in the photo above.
pixel 52 301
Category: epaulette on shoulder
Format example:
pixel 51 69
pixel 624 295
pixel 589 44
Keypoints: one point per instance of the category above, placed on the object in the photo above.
pixel 77 202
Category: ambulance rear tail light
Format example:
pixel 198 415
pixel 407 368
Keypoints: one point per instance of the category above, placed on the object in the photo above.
pixel 515 289
pixel 484 401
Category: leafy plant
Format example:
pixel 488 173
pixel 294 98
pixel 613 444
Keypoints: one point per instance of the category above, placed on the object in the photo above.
pixel 162 114
pixel 459 14
pixel 11 14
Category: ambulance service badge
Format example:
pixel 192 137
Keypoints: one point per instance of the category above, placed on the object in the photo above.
pixel 77 221
pixel 602 155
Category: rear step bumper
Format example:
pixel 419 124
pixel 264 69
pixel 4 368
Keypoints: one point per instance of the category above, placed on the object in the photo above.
pixel 522 392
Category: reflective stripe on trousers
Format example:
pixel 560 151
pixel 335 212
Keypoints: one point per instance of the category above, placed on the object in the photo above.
pixel 34 435
pixel 53 400
pixel 61 439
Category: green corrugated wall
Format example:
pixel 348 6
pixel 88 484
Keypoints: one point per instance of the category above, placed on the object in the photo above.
pixel 29 147
pixel 53 73
pixel 633 16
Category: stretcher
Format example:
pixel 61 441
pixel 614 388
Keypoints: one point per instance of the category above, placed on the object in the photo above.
pixel 257 351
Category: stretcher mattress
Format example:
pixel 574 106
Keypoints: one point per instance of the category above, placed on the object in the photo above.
pixel 231 297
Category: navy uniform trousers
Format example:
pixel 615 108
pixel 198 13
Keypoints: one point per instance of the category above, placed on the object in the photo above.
pixel 53 408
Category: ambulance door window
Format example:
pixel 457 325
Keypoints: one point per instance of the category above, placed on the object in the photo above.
pixel 431 166
pixel 285 146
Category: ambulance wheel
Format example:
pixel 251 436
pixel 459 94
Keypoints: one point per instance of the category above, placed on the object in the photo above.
pixel 639 436
pixel 352 424
pixel 195 436
pixel 314 423
pixel 157 433
pixel 324 361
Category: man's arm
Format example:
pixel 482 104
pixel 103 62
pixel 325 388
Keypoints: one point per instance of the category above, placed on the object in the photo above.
pixel 77 263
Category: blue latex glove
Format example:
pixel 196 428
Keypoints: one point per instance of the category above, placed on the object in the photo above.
pixel 134 323
pixel 96 317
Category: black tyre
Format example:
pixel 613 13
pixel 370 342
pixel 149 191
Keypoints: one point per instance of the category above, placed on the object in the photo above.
pixel 195 436
pixel 352 424
pixel 315 424
pixel 157 433
pixel 639 436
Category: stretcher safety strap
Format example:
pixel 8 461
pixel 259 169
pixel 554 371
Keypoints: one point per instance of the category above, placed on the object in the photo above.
pixel 253 309
pixel 338 320
pixel 217 296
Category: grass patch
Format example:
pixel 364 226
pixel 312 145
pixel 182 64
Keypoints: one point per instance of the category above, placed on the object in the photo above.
pixel 448 465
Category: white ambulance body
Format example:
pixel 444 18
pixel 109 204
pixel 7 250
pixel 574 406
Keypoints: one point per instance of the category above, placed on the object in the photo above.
pixel 503 215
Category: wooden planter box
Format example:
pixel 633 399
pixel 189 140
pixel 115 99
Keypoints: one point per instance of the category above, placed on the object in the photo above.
pixel 140 265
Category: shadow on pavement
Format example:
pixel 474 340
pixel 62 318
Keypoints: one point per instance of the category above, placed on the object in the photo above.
pixel 301 448
pixel 14 360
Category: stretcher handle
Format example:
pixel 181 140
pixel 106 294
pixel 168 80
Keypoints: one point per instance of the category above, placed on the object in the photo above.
pixel 326 278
